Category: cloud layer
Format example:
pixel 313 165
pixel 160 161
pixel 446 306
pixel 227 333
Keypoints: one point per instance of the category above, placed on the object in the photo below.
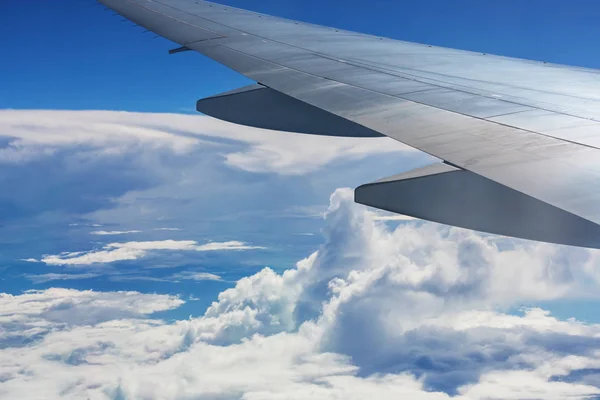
pixel 72 173
pixel 113 133
pixel 416 312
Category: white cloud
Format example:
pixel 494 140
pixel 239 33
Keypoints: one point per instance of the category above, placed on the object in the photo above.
pixel 108 132
pixel 178 277
pixel 43 278
pixel 134 278
pixel 34 314
pixel 227 246
pixel 156 245
pixel 195 276
pixel 88 225
pixel 134 171
pixel 384 216
pixel 96 257
pixel 517 385
pixel 110 233
pixel 114 252
pixel 36 303
pixel 415 312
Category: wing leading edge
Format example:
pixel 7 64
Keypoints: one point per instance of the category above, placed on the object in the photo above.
pixel 537 149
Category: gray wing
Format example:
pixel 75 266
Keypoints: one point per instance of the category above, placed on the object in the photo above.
pixel 519 139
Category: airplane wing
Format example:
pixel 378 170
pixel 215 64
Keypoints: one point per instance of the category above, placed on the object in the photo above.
pixel 519 141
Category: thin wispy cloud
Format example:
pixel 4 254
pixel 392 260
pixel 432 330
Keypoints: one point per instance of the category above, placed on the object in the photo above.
pixel 113 233
pixel 281 153
pixel 195 276
pixel 137 278
pixel 228 246
pixel 86 225
pixel 174 278
pixel 43 278
pixel 114 252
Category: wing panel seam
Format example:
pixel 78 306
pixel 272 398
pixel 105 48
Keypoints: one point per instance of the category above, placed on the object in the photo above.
pixel 412 101
pixel 365 67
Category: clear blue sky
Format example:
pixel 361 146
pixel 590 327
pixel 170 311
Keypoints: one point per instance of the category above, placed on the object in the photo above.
pixel 71 54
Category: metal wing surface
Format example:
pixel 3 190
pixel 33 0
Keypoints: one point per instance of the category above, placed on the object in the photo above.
pixel 519 139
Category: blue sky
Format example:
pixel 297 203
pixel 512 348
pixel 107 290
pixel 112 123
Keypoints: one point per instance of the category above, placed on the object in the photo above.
pixel 148 237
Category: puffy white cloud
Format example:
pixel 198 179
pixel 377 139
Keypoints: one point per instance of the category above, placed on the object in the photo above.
pixel 517 385
pixel 28 317
pixel 114 252
pixel 415 312
pixel 37 303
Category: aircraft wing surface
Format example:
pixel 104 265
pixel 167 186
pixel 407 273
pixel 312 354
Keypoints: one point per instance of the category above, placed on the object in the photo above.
pixel 519 140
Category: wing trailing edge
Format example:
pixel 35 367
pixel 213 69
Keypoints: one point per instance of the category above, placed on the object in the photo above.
pixel 449 195
pixel 261 107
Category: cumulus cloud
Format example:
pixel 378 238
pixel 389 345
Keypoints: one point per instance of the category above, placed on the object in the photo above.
pixel 114 252
pixel 28 317
pixel 415 312
pixel 384 216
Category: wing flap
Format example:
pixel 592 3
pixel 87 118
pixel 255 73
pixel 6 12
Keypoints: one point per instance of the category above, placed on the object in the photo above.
pixel 448 195
pixel 261 107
